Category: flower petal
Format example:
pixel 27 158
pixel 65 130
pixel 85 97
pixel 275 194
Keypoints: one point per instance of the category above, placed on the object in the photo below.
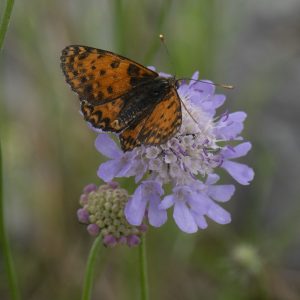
pixel 105 145
pixel 206 88
pixel 140 170
pixel 237 116
pixel 218 214
pixel 183 218
pixel 157 217
pixel 166 75
pixel 152 68
pixel 126 168
pixel 212 179
pixel 195 76
pixel 135 208
pixel 231 126
pixel 240 172
pixel 200 220
pixel 238 151
pixel 229 132
pixel 109 170
pixel 151 187
pixel 167 202
pixel 218 100
pixel 221 193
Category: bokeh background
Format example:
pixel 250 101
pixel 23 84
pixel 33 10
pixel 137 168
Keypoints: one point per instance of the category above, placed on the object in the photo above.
pixel 49 153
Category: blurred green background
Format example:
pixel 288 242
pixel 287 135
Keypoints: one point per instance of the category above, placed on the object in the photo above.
pixel 49 153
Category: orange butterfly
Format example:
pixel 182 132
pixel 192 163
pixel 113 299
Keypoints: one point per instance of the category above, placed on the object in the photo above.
pixel 122 96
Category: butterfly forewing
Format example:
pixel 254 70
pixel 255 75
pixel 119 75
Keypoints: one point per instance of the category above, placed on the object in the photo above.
pixel 98 76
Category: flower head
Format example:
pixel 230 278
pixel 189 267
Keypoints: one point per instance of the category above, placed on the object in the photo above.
pixel 188 162
pixel 103 212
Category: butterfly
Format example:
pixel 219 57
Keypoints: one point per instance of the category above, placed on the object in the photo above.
pixel 122 96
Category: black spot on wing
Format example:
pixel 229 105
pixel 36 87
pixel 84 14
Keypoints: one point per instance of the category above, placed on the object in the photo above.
pixel 83 79
pixel 171 104
pixel 102 72
pixel 110 89
pixel 100 95
pixel 133 70
pixel 83 55
pixel 115 64
pixel 88 89
pixel 134 81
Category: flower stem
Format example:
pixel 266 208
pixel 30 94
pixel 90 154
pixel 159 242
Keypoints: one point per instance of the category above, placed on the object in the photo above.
pixel 8 261
pixel 5 20
pixel 143 269
pixel 90 268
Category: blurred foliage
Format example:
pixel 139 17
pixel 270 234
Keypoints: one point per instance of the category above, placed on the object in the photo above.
pixel 49 153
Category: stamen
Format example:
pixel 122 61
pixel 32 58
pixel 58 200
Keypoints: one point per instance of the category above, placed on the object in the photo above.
pixel 225 115
pixel 230 148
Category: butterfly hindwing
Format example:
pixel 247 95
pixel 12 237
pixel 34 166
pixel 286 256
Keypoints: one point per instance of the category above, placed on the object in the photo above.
pixel 98 76
pixel 104 116
pixel 164 121
pixel 156 128
pixel 129 137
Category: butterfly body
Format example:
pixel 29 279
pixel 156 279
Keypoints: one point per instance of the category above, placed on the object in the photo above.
pixel 122 96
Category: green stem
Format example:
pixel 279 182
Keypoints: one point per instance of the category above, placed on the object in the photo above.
pixel 8 261
pixel 5 20
pixel 90 269
pixel 143 270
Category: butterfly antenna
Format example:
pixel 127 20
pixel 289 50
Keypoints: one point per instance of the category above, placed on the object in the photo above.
pixel 222 85
pixel 189 112
pixel 162 39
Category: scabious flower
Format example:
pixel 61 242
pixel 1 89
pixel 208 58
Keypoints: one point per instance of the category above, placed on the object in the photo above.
pixel 188 162
pixel 102 210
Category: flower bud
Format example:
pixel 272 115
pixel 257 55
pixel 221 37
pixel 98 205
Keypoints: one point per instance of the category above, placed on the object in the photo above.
pixel 102 210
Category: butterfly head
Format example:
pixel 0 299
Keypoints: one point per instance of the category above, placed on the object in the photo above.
pixel 174 82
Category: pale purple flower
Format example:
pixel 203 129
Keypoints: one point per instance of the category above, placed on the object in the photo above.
pixel 188 162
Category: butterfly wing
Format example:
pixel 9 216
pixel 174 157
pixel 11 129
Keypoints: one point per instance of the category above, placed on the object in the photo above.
pixel 156 128
pixel 99 76
pixel 104 116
